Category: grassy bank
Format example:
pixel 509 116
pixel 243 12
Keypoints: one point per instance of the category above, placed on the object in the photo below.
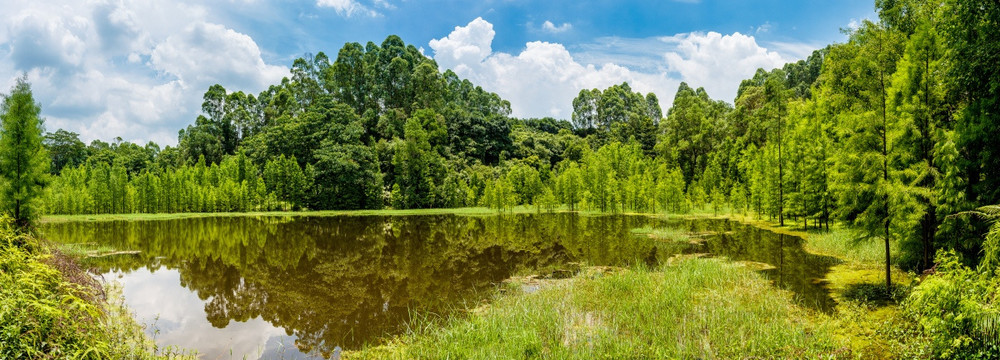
pixel 687 308
pixel 469 211
pixel 384 212
pixel 51 309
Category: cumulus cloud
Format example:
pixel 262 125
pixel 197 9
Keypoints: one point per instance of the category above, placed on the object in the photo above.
pixel 540 81
pixel 38 40
pixel 552 28
pixel 210 53
pixel 718 62
pixel 543 79
pixel 133 69
pixel 350 7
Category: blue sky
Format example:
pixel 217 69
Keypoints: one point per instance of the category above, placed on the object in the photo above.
pixel 137 69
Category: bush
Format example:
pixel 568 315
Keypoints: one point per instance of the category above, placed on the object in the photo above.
pixel 956 309
pixel 40 314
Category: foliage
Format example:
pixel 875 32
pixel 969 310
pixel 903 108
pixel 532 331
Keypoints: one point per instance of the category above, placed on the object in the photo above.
pixel 956 308
pixel 43 315
pixel 24 163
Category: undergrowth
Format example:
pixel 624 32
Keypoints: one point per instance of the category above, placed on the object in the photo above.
pixel 51 310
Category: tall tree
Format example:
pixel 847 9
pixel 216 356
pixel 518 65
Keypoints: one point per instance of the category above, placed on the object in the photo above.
pixel 24 163
pixel 918 98
pixel 970 30
pixel 873 196
pixel 777 105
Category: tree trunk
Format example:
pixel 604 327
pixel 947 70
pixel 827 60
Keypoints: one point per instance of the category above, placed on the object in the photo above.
pixel 781 177
pixel 888 274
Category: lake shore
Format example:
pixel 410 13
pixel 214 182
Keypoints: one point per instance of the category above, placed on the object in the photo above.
pixel 597 313
pixel 52 308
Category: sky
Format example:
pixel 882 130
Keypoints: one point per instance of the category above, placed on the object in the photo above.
pixel 138 69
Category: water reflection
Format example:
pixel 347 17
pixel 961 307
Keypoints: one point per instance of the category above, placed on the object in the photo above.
pixel 246 283
pixel 158 299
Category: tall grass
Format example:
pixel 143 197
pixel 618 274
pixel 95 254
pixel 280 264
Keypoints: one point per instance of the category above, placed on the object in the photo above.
pixel 693 308
pixel 845 244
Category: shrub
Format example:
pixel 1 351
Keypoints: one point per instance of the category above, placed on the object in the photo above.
pixel 956 309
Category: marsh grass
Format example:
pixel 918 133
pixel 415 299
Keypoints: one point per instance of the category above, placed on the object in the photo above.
pixel 83 250
pixel 686 308
pixel 665 234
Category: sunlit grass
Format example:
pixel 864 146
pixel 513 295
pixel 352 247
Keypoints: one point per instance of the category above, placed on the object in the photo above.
pixel 664 233
pixel 383 212
pixel 690 308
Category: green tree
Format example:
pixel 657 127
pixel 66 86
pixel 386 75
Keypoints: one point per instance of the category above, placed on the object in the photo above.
pixel 417 165
pixel 66 149
pixel 873 197
pixel 569 184
pixel 24 163
pixel 777 100
pixel 970 30
pixel 917 99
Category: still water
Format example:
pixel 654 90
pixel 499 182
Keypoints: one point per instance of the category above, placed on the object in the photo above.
pixel 299 287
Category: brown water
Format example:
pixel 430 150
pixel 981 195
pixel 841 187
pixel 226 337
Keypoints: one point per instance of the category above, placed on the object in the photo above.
pixel 308 286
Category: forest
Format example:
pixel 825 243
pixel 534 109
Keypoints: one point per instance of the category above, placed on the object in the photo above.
pixel 893 132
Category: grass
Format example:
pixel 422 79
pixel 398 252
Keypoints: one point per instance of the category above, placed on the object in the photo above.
pixel 690 308
pixel 470 211
pixel 665 234
pixel 687 308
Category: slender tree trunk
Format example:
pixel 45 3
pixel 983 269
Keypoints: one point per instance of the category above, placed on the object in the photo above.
pixel 885 177
pixel 781 177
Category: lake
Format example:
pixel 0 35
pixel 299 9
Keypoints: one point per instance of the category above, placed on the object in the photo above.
pixel 300 287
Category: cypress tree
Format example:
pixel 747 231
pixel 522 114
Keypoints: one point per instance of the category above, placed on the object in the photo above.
pixel 24 163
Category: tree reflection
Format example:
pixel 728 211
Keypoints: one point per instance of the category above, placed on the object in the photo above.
pixel 350 280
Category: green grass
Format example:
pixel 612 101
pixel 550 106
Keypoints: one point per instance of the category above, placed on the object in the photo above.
pixel 472 211
pixel 664 234
pixel 690 308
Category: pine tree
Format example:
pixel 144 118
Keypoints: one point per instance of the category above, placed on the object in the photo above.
pixel 24 163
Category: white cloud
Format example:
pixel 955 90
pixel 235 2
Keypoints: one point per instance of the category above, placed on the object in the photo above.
pixel 543 79
pixel 552 28
pixel 133 69
pixel 40 40
pixel 350 7
pixel 207 53
pixel 763 28
pixel 718 62
pixel 854 24
pixel 540 81
pixel 794 50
